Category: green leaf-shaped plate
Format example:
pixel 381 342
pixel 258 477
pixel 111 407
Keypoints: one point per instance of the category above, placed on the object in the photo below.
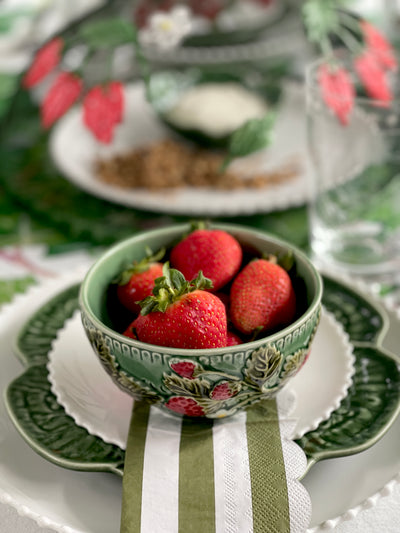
pixel 364 415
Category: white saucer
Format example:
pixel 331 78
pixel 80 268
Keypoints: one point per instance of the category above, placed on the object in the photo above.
pixel 88 395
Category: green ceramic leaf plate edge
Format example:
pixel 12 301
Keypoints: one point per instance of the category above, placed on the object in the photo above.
pixel 363 417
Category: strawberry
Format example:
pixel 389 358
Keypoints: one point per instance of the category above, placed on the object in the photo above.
pixel 62 94
pixel 224 299
pixel 103 110
pixel 129 332
pixel 233 339
pixel 262 297
pixel 215 252
pixel 181 314
pixel 137 282
pixel 46 60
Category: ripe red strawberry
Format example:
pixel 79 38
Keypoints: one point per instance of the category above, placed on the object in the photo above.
pixel 62 94
pixel 180 314
pixel 46 59
pixel 137 282
pixel 232 339
pixel 262 297
pixel 103 110
pixel 129 332
pixel 215 252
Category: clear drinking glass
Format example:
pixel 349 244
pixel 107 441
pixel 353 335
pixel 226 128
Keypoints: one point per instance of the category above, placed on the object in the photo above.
pixel 354 211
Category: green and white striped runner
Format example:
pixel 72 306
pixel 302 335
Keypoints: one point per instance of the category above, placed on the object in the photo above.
pixel 186 475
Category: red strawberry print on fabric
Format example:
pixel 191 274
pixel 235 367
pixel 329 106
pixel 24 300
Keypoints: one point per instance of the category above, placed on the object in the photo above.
pixel 103 108
pixel 373 77
pixel 337 90
pixel 64 92
pixel 379 46
pixel 184 369
pixel 185 406
pixel 45 61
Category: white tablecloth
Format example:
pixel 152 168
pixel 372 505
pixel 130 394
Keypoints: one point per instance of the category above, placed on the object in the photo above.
pixel 382 518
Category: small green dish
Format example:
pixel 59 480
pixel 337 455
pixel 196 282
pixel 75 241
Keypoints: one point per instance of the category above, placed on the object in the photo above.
pixel 166 87
pixel 253 371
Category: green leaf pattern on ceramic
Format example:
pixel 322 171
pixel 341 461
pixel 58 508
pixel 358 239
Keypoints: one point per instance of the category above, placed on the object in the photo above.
pixel 364 415
pixel 360 318
pixel 53 433
pixel 125 382
pixel 263 367
pixel 218 393
pixel 36 337
pixel 294 362
pixel 371 404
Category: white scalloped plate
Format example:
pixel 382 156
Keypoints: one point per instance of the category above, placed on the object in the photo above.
pixel 88 395
pixel 74 152
pixel 82 502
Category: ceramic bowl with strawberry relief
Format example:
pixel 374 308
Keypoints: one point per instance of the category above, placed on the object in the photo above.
pixel 211 382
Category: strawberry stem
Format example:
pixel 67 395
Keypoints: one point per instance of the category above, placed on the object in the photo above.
pixel 170 287
pixel 140 266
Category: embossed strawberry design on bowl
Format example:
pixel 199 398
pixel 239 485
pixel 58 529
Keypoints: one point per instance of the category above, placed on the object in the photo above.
pixel 209 382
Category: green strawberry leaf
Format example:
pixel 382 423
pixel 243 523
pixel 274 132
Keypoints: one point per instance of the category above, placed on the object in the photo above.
pixel 108 33
pixel 320 18
pixel 170 287
pixel 201 282
pixel 139 266
pixel 263 366
pixel 181 386
pixel 254 135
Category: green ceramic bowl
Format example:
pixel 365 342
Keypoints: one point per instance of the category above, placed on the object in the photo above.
pixel 214 382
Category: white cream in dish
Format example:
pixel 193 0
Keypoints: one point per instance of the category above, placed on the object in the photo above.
pixel 216 109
